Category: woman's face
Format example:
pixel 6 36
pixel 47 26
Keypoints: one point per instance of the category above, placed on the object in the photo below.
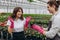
pixel 51 9
pixel 19 13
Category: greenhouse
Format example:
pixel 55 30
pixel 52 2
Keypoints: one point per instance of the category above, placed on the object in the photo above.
pixel 29 19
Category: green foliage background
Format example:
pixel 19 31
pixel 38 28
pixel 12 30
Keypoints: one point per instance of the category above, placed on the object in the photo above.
pixel 40 19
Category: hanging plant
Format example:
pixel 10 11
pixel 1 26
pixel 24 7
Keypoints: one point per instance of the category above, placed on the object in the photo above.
pixel 30 0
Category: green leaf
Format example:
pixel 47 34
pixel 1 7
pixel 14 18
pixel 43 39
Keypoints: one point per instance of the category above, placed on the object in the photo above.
pixel 30 0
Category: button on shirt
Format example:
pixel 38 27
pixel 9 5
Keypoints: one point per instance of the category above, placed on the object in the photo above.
pixel 18 25
pixel 55 28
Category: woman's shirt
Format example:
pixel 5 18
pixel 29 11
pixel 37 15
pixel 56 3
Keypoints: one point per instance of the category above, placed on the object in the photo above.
pixel 18 25
pixel 55 27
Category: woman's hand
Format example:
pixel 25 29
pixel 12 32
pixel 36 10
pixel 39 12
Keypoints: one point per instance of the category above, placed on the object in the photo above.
pixel 10 30
pixel 44 32
pixel 27 22
pixel 25 28
pixel 45 29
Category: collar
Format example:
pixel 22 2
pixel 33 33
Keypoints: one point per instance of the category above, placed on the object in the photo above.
pixel 56 13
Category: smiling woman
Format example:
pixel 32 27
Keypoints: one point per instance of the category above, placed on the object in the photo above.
pixel 17 23
pixel 17 26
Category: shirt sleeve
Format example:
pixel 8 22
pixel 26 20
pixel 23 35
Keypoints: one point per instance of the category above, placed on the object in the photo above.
pixel 54 29
pixel 8 23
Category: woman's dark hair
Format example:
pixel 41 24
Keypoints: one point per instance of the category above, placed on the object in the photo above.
pixel 58 2
pixel 51 3
pixel 16 9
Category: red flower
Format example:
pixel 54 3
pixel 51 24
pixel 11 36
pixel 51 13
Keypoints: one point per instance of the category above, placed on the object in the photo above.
pixel 3 24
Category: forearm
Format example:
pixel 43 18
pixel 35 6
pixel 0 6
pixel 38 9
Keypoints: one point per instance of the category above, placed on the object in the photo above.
pixel 50 34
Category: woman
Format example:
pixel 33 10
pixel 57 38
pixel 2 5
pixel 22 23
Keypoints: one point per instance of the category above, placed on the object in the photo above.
pixel 16 24
pixel 53 32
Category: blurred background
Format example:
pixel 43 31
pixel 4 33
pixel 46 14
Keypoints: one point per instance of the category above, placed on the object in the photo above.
pixel 37 9
pixel 29 6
